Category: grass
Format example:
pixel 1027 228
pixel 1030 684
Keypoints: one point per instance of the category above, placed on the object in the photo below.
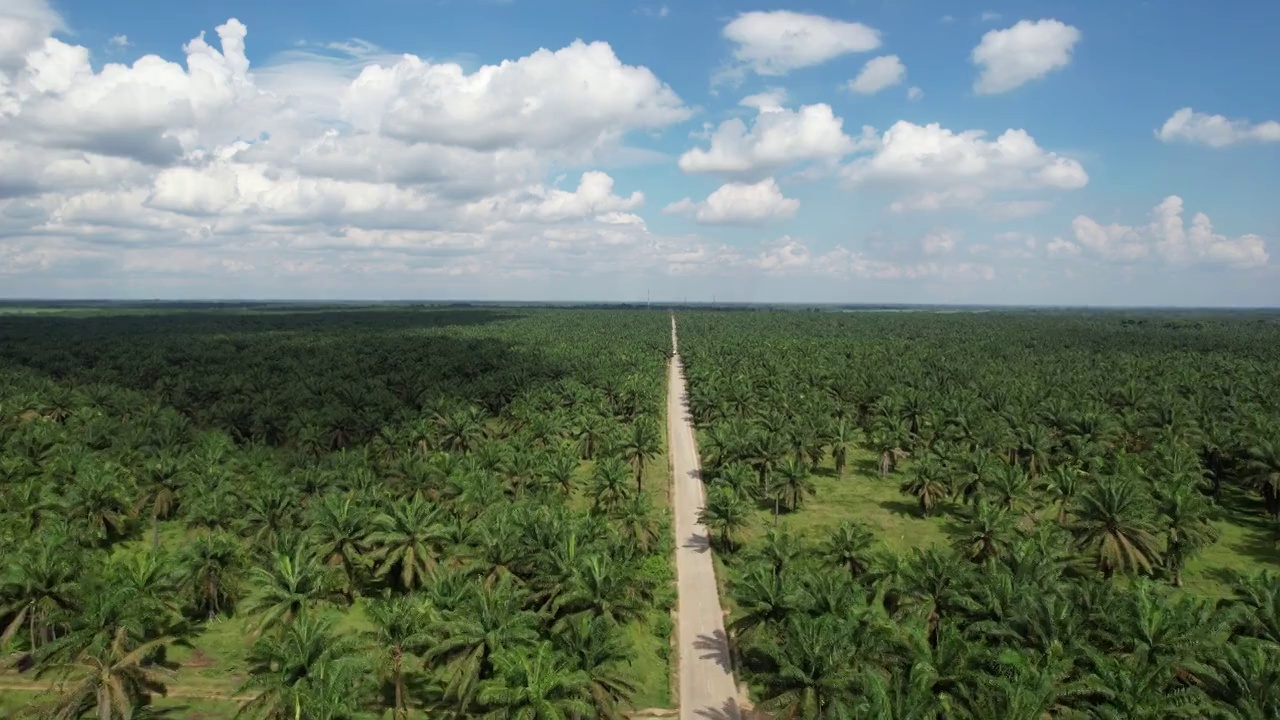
pixel 859 496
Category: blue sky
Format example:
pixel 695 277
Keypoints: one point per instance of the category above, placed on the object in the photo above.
pixel 1020 153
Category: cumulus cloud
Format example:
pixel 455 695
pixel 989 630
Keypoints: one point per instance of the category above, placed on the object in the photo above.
pixel 772 99
pixel 579 95
pixel 776 138
pixel 739 204
pixel 593 196
pixel 1217 131
pixel 779 41
pixel 930 155
pixel 152 111
pixel 1167 238
pixel 1014 56
pixel 914 94
pixel 878 74
pixel 119 41
pixel 337 161
pixel 24 26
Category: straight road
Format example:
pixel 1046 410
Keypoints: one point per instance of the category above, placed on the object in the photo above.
pixel 707 687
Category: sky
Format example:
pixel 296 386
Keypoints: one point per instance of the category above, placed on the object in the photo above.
pixel 849 151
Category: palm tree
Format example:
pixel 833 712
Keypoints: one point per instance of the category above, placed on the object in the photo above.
pixel 1256 605
pixel 288 588
pixel 97 501
pixel 925 481
pixel 810 674
pixel 643 442
pixel 1025 688
pixel 114 679
pixel 405 543
pixel 725 514
pixel 308 671
pixel 1143 690
pixel 461 430
pixel 560 469
pixel 1263 471
pixel 161 477
pixel 537 686
pixel 796 482
pixel 849 546
pixel 340 528
pixel 986 532
pixel 1008 486
pixel 400 627
pixel 1063 482
pixel 212 571
pixel 40 583
pixel 764 599
pixel 598 648
pixel 843 434
pixel 1245 677
pixel 1184 513
pixel 637 522
pixel 1114 525
pixel 600 587
pixel 610 484
pixel 489 619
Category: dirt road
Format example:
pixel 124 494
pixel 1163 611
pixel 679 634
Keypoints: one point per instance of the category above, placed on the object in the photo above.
pixel 707 687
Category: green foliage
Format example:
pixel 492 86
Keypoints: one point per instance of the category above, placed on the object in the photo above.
pixel 337 513
pixel 1056 475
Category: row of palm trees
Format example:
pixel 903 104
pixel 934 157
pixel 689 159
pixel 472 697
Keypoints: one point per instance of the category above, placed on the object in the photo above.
pixel 1078 464
pixel 489 548
pixel 839 628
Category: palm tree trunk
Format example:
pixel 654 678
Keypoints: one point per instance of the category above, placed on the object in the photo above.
pixel 399 682
pixel 104 703
pixel 155 531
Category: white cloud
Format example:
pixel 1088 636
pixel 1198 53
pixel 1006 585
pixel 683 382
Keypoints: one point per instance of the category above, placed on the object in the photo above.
pixel 335 161
pixel 593 196
pixel 878 74
pixel 964 196
pixel 739 204
pixel 1016 55
pixel 914 94
pixel 779 41
pixel 152 111
pixel 939 242
pixel 778 137
pixel 581 95
pixel 842 262
pixel 1059 248
pixel 989 16
pixel 931 155
pixel 1189 126
pixel 119 41
pixel 1167 238
pixel 772 99
pixel 783 255
pixel 24 25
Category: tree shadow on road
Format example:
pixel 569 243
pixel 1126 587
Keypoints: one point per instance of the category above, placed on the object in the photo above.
pixel 729 711
pixel 698 543
pixel 716 646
